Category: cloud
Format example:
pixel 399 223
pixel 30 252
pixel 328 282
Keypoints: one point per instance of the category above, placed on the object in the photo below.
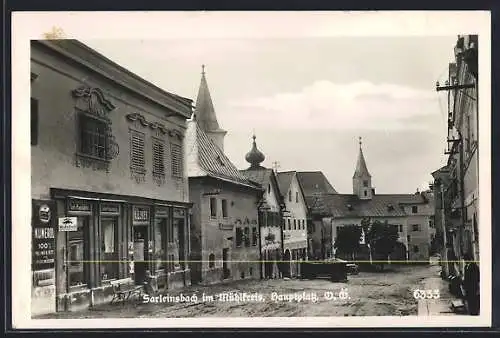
pixel 324 104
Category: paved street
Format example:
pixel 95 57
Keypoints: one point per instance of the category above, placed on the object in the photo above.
pixel 368 294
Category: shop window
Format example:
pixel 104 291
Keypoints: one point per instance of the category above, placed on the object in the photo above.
pixel 137 158
pixel 34 122
pixel 254 236
pixel 176 156
pixel 162 227
pixel 78 254
pixel 109 249
pixel 239 237
pixel 414 209
pixel 158 161
pixel 224 208
pixel 213 207
pixel 211 261
pixel 247 236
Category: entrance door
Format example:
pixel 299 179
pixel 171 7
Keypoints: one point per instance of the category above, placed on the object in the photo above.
pixel 225 270
pixel 180 245
pixel 140 253
pixel 109 249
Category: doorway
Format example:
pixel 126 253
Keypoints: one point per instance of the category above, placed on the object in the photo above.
pixel 109 249
pixel 140 253
pixel 225 270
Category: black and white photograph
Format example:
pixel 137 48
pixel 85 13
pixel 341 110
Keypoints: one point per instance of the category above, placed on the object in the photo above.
pixel 294 168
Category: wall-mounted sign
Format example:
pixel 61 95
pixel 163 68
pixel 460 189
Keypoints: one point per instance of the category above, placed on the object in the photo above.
pixel 79 205
pixel 161 212
pixel 179 212
pixel 68 224
pixel 141 214
pixel 43 235
pixel 110 208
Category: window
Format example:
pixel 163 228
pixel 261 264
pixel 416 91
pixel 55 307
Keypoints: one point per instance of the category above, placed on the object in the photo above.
pixel 211 261
pixel 408 238
pixel 290 196
pixel 415 227
pixel 213 207
pixel 176 155
pixel 239 237
pixel 158 160
pixel 400 228
pixel 269 188
pixel 294 224
pixel 109 249
pixel 254 236
pixel 296 197
pixel 162 226
pixel 289 224
pixel 414 209
pixel 247 236
pixel 224 208
pixel 137 158
pixel 365 193
pixel 365 183
pixel 415 248
pixel 78 253
pixel 251 272
pixel 93 136
pixel 34 122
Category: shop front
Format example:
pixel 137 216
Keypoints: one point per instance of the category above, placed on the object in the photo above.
pixel 102 240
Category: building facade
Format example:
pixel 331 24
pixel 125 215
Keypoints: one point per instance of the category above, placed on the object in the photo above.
pixel 225 222
pixel 411 214
pixel 294 223
pixel 459 184
pixel 109 187
pixel 271 211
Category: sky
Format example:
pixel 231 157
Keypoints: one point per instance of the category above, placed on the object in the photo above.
pixel 308 100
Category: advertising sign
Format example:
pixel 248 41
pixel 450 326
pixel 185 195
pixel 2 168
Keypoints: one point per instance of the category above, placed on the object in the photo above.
pixel 43 235
pixel 68 224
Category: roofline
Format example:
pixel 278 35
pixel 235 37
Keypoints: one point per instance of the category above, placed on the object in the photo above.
pixel 228 180
pixel 85 56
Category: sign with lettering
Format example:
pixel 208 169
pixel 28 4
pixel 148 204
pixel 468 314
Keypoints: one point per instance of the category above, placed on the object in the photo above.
pixel 68 224
pixel 79 205
pixel 110 208
pixel 43 235
pixel 141 214
pixel 161 212
pixel 179 212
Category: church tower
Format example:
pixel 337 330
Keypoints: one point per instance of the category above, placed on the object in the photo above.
pixel 204 113
pixel 362 180
pixel 255 157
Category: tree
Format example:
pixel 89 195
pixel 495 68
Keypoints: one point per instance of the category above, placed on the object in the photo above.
pixel 347 240
pixel 381 238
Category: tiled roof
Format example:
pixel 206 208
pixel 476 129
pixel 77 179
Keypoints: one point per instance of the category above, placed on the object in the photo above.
pixel 204 109
pixel 204 158
pixel 343 205
pixel 284 180
pixel 261 175
pixel 314 182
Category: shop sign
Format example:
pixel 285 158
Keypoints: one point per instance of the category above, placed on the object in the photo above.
pixel 141 214
pixel 79 205
pixel 161 212
pixel 68 224
pixel 43 235
pixel 179 212
pixel 109 208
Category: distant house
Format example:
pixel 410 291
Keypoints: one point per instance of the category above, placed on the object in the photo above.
pixel 271 211
pixel 224 227
pixel 294 226
pixel 411 214
pixel 314 184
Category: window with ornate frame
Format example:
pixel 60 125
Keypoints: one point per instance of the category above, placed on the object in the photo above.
pixel 158 160
pixel 137 155
pixel 96 145
pixel 176 158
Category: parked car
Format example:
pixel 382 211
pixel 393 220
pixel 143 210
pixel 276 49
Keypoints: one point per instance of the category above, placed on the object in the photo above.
pixel 335 269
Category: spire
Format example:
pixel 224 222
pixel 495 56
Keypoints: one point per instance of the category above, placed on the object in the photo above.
pixel 204 111
pixel 255 157
pixel 361 169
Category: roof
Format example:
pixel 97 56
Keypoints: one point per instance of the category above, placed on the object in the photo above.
pixel 204 110
pixel 285 180
pixel 95 62
pixel 381 205
pixel 314 182
pixel 204 158
pixel 261 175
pixel 361 169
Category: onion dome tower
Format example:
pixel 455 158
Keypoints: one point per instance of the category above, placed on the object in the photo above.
pixel 255 157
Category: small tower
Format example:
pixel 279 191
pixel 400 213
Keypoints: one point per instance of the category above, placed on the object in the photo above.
pixel 255 157
pixel 204 113
pixel 362 180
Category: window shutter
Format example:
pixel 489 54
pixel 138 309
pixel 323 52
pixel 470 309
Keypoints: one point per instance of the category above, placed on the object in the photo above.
pixel 176 155
pixel 158 158
pixel 137 159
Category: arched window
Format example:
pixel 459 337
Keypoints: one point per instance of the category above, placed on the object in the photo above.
pixel 211 261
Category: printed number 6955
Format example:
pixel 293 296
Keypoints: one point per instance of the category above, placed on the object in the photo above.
pixel 426 294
